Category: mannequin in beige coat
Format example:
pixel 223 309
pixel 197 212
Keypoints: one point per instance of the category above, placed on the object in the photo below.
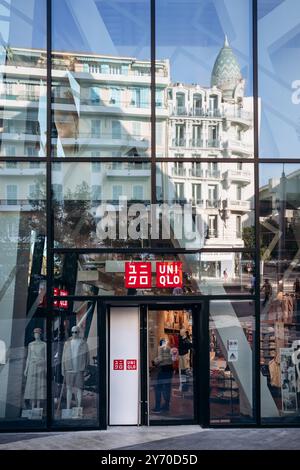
pixel 75 360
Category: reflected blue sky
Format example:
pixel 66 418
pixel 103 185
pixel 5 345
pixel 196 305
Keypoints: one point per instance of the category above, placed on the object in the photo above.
pixel 23 23
pixel 189 33
pixel 279 42
pixel 268 170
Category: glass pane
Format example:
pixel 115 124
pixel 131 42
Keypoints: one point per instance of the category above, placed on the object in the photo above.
pixel 22 84
pixel 278 50
pixel 23 362
pixel 204 66
pixel 75 365
pixel 279 215
pixel 101 78
pixel 90 204
pixel 215 200
pixel 170 361
pixel 22 295
pixel 202 273
pixel 231 330
pixel 280 291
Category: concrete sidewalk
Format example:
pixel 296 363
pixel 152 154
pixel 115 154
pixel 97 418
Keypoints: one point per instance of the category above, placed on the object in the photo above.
pixel 156 438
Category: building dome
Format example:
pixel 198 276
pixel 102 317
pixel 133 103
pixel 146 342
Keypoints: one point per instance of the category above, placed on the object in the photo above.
pixel 226 74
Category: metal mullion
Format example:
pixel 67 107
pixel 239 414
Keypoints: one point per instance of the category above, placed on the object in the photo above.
pixel 102 363
pixel 153 101
pixel 49 221
pixel 143 366
pixel 155 298
pixel 21 158
pixel 202 361
pixel 204 160
pixel 15 159
pixel 152 250
pixel 278 160
pixel 101 159
pixel 257 402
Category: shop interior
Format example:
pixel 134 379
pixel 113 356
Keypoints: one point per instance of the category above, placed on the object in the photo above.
pixel 170 361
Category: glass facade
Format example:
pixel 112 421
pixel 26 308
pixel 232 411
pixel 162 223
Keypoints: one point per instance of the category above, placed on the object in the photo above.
pixel 232 358
pixel 138 136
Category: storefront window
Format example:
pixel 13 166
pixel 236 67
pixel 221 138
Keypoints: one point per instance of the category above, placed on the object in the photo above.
pixel 278 49
pixel 207 63
pixel 215 201
pixel 102 101
pixel 105 273
pixel 75 365
pixel 170 362
pixel 23 61
pixel 280 291
pixel 96 206
pixel 23 369
pixel 231 330
pixel 22 295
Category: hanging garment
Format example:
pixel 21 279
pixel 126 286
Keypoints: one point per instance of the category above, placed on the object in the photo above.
pixel 291 308
pixel 275 310
pixel 274 368
pixel 184 361
pixel 285 308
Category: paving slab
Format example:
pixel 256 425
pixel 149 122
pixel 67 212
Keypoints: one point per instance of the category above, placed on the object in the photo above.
pixel 112 438
pixel 156 438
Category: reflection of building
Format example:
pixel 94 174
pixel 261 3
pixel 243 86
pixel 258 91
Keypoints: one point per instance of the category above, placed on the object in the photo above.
pixel 280 224
pixel 101 105
pixel 212 123
pixel 102 108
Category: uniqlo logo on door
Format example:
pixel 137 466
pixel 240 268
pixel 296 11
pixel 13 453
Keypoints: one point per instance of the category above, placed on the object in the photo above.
pixel 118 364
pixel 137 275
pixel 169 274
pixel 131 364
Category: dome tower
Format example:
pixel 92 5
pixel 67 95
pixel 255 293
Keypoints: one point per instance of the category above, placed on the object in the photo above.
pixel 226 74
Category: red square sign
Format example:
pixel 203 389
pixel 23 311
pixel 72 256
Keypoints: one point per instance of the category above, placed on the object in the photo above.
pixel 118 364
pixel 169 274
pixel 131 364
pixel 137 275
pixel 55 293
pixel 63 303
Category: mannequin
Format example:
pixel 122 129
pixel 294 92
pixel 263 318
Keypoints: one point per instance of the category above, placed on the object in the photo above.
pixel 75 360
pixel 35 370
pixel 184 347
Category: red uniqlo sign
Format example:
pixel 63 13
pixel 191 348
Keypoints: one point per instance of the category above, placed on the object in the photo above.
pixel 131 364
pixel 169 274
pixel 118 364
pixel 137 275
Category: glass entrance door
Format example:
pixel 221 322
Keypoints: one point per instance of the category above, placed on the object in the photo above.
pixel 171 345
pixel 156 364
